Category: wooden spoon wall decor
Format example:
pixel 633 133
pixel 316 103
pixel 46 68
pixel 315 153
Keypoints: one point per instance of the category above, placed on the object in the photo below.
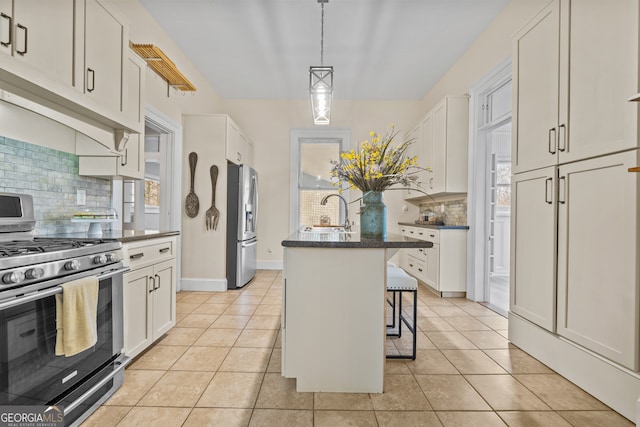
pixel 192 203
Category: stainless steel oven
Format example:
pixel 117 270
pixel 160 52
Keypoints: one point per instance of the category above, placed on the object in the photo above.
pixel 32 270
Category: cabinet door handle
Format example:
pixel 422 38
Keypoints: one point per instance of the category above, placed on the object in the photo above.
pixel 552 140
pixel 239 156
pixel 562 192
pixel 10 23
pixel 548 195
pixel 26 32
pixel 124 158
pixel 153 287
pixel 154 282
pixel 136 256
pixel 92 73
pixel 562 137
pixel 164 250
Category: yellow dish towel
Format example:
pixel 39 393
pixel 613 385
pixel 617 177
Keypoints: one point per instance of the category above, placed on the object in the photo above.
pixel 76 316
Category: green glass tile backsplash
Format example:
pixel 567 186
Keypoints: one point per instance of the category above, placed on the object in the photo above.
pixel 51 177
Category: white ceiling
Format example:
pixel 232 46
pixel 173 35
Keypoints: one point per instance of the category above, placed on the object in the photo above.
pixel 380 49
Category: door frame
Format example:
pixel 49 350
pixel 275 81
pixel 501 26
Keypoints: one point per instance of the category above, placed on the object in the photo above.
pixel 476 194
pixel 173 130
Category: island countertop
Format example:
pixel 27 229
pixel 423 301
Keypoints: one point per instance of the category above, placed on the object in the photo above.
pixel 351 240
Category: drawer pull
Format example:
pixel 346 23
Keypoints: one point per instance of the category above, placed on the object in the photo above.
pixel 28 333
pixel 432 235
pixel 420 270
pixel 164 250
pixel 410 265
pixel 136 256
pixel 411 231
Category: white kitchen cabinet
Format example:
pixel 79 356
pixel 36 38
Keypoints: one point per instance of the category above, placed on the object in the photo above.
pixel 39 33
pixel 443 266
pixel 417 148
pixel 239 149
pixel 533 243
pixel 598 256
pixel 149 292
pixel 117 161
pixel 574 267
pixel 441 147
pixel 450 145
pixel 105 39
pixel 233 144
pixel 571 83
pixel 102 163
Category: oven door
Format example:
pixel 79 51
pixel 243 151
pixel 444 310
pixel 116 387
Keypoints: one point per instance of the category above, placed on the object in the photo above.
pixel 30 372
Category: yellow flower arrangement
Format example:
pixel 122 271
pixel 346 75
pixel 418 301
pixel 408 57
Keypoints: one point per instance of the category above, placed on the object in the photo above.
pixel 376 165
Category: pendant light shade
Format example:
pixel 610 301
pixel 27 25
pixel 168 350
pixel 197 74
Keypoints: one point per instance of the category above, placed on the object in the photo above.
pixel 321 82
pixel 321 91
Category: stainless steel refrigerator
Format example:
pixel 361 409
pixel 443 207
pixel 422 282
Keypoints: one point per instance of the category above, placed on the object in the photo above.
pixel 242 238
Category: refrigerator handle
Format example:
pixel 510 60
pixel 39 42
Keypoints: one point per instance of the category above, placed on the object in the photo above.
pixel 254 190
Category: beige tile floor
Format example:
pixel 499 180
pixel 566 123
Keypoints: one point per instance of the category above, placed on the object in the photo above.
pixel 220 366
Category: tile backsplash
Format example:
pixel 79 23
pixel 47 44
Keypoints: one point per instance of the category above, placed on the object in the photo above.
pixel 455 211
pixel 51 177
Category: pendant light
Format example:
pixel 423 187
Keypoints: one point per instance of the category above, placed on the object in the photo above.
pixel 321 82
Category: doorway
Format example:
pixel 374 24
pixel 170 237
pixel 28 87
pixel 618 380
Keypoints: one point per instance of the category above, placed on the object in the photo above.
pixel 489 198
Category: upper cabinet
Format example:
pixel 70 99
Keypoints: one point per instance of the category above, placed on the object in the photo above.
pixel 239 148
pixel 39 35
pixel 441 147
pixel 416 149
pixel 104 47
pixel 450 141
pixel 68 56
pixel 571 83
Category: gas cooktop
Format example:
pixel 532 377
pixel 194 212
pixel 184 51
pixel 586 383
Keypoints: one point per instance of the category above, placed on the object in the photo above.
pixel 39 245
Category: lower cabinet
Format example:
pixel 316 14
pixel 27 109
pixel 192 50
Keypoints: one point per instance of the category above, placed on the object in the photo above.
pixel 533 239
pixel 443 266
pixel 575 254
pixel 149 293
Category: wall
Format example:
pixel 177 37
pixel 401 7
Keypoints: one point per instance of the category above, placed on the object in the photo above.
pixel 51 177
pixel 490 48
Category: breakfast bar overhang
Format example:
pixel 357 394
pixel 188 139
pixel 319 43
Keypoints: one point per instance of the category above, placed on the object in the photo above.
pixel 333 310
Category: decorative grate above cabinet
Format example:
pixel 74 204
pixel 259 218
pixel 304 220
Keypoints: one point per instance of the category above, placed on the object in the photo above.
pixel 162 65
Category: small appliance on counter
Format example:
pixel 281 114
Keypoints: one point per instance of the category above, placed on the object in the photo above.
pixel 242 240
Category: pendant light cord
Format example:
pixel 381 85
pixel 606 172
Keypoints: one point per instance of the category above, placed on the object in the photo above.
pixel 322 34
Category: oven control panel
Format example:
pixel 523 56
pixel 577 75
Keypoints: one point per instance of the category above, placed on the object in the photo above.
pixel 54 269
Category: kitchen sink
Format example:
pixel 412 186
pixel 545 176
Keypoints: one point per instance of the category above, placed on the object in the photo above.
pixel 324 229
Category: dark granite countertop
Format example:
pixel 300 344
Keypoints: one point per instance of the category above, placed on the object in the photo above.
pixel 124 236
pixel 436 227
pixel 350 240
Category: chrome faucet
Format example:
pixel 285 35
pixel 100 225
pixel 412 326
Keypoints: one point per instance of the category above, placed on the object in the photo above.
pixel 347 224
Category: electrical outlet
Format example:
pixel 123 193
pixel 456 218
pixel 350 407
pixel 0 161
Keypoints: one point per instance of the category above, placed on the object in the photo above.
pixel 81 197
pixel 405 208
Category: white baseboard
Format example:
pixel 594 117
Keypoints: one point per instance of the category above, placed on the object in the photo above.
pixel 616 386
pixel 203 285
pixel 270 265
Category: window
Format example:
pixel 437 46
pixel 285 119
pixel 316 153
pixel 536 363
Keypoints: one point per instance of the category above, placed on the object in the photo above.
pixel 314 182
pixel 311 154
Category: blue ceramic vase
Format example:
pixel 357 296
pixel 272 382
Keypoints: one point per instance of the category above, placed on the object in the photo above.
pixel 373 216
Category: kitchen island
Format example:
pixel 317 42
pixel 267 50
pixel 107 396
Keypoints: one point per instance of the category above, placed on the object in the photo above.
pixel 333 312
